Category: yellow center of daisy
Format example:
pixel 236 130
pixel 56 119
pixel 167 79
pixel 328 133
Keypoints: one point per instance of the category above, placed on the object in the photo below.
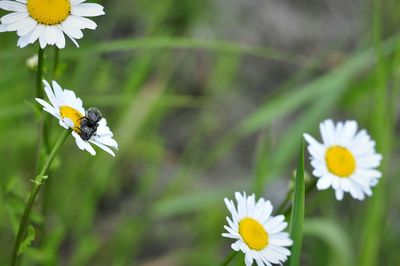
pixel 49 12
pixel 253 234
pixel 340 161
pixel 72 114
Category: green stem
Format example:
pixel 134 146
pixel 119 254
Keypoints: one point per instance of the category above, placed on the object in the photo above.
pixel 283 208
pixel 55 61
pixel 43 137
pixel 35 190
pixel 46 136
pixel 39 76
pixel 229 258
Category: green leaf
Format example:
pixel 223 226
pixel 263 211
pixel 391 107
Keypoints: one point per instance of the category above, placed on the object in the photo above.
pixel 28 240
pixel 261 164
pixel 219 46
pixel 297 215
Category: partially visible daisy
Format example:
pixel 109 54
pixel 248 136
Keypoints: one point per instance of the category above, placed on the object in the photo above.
pixel 258 235
pixel 68 108
pixel 48 20
pixel 346 160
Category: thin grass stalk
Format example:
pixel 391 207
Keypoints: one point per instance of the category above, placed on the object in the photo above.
pixel 261 165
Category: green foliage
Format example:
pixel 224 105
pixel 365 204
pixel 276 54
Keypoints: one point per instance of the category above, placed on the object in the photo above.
pixel 196 118
pixel 28 239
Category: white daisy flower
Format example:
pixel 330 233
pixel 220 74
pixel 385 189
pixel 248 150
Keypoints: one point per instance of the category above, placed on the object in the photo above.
pixel 68 108
pixel 346 160
pixel 258 235
pixel 48 20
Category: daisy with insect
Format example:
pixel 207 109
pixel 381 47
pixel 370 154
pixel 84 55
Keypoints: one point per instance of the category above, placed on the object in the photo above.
pixel 88 127
pixel 257 233
pixel 345 160
pixel 47 21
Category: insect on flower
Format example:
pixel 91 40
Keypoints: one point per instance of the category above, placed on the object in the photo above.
pixel 90 123
pixel 88 127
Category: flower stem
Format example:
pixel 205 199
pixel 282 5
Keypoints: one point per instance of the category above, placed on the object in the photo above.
pixel 39 75
pixel 46 135
pixel 229 258
pixel 55 61
pixel 284 208
pixel 43 139
pixel 39 180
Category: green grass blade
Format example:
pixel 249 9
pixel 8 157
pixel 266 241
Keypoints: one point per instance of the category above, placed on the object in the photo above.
pixel 297 216
pixel 376 211
pixel 261 164
pixel 188 43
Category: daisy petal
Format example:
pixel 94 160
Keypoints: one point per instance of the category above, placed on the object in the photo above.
pixel 13 17
pixel 104 147
pixel 87 10
pixel 13 6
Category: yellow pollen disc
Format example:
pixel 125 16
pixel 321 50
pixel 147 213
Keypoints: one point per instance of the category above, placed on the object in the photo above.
pixel 253 234
pixel 74 115
pixel 340 161
pixel 49 12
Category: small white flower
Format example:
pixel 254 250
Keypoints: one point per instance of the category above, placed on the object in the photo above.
pixel 346 160
pixel 48 20
pixel 68 108
pixel 258 235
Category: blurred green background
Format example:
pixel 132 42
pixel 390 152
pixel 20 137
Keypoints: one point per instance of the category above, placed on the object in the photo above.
pixel 205 97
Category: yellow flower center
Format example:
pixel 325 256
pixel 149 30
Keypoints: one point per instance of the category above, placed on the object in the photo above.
pixel 253 234
pixel 72 114
pixel 49 12
pixel 340 161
